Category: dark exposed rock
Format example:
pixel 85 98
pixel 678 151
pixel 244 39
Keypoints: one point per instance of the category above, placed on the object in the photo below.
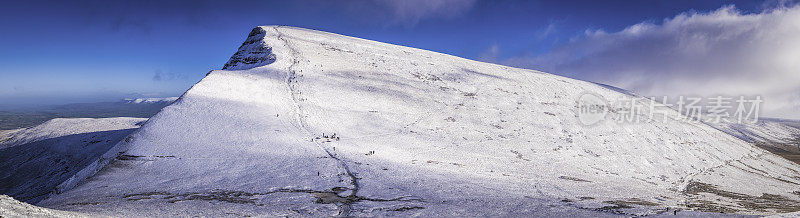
pixel 254 52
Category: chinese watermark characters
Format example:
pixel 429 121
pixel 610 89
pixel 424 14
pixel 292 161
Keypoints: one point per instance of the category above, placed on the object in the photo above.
pixel 593 108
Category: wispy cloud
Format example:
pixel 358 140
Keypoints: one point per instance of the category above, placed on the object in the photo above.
pixel 160 75
pixel 411 12
pixel 720 52
pixel 491 54
pixel 547 31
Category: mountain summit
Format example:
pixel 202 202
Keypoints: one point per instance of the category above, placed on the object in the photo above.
pixel 254 52
pixel 303 122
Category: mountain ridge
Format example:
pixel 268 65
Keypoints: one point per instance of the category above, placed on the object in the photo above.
pixel 380 129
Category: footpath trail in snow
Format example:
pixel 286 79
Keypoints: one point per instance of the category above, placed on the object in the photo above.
pixel 417 133
pixel 347 201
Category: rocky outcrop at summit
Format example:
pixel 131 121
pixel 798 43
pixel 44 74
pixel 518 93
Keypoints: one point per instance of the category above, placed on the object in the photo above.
pixel 254 52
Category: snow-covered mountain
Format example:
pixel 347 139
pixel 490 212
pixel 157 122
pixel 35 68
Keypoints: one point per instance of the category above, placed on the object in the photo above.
pixel 308 123
pixel 149 100
pixel 34 161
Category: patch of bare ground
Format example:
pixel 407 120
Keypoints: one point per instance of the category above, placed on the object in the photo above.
pixel 142 196
pixel 708 206
pixel 789 151
pixel 617 206
pixel 573 179
pixel 791 157
pixel 765 203
pixel 239 197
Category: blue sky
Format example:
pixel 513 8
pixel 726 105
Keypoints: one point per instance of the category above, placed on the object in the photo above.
pixel 54 52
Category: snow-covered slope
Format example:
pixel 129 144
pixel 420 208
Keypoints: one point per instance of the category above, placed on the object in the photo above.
pixel 35 160
pixel 6 135
pixel 304 122
pixel 764 131
pixel 779 136
pixel 13 208
pixel 60 127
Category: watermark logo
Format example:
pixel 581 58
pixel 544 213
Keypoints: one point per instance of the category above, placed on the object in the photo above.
pixel 592 108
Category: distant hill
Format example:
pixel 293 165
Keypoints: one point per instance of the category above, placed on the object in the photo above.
pixel 140 107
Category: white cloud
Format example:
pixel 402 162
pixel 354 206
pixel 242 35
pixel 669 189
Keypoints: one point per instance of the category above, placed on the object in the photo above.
pixel 410 12
pixel 490 55
pixel 720 52
pixel 547 31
